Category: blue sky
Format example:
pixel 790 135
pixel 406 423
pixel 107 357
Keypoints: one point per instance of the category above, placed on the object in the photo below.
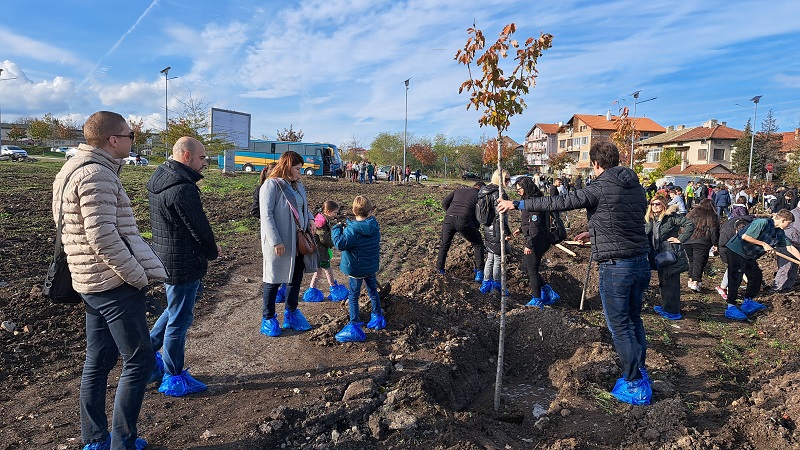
pixel 335 68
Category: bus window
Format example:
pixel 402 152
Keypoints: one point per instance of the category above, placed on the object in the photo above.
pixel 281 148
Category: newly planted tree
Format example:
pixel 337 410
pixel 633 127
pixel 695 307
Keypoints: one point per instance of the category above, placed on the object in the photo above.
pixel 498 94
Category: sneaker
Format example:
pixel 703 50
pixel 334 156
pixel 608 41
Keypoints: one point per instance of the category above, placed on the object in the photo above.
pixel 158 370
pixel 637 392
pixel 377 321
pixel 749 306
pixel 733 313
pixel 486 286
pixel 689 284
pixel 351 332
pixel 180 385
pixel 667 315
pixel 270 327
pixel 478 275
pixel 550 296
pixel 281 297
pixel 140 444
pixel 338 292
pixel 295 320
pixel 723 292
pixel 536 303
pixel 695 286
pixel 313 295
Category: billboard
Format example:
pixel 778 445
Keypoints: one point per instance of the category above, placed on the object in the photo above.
pixel 235 127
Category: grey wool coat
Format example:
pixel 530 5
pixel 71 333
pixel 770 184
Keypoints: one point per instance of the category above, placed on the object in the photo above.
pixel 278 227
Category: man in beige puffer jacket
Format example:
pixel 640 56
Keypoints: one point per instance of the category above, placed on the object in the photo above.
pixel 111 265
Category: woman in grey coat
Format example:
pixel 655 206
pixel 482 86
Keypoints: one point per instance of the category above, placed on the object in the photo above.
pixel 282 198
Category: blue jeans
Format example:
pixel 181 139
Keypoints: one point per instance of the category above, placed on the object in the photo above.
pixel 292 294
pixel 355 292
pixel 622 285
pixel 115 325
pixel 170 329
pixel 723 209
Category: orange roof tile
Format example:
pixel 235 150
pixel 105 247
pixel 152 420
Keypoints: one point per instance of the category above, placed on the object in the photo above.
pixel 790 141
pixel 549 128
pixel 693 169
pixel 600 123
pixel 716 132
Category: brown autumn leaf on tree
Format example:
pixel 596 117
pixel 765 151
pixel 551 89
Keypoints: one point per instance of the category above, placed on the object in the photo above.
pixel 490 152
pixel 622 139
pixel 423 153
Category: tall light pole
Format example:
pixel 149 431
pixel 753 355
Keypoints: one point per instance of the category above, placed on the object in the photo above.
pixel 752 138
pixel 633 123
pixel 1 109
pixel 405 129
pixel 166 110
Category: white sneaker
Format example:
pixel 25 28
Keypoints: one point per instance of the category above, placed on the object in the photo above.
pixel 689 284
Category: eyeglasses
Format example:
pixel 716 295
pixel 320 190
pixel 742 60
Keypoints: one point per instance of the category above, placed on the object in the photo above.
pixel 656 204
pixel 130 136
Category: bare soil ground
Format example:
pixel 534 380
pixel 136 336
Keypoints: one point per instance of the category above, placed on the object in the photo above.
pixel 427 380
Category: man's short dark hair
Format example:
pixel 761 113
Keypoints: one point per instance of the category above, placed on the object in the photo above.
pixel 102 125
pixel 785 214
pixel 479 184
pixel 605 154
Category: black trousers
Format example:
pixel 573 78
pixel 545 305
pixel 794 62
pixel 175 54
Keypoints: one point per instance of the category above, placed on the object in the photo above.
pixel 737 266
pixel 698 258
pixel 532 262
pixel 468 228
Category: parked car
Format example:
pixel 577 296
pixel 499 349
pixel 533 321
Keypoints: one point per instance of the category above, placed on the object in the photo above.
pixel 422 177
pixel 13 151
pixel 471 176
pixel 514 178
pixel 381 174
pixel 135 160
pixel 70 152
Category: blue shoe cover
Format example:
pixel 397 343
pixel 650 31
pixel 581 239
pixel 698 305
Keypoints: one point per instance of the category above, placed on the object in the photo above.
pixel 667 315
pixel 180 385
pixel 440 271
pixel 313 295
pixel 497 285
pixel 351 332
pixel 733 313
pixel 536 303
pixel 281 297
pixel 549 296
pixel 637 392
pixel 338 292
pixel 295 320
pixel 749 306
pixel 270 327
pixel 158 370
pixel 478 275
pixel 486 286
pixel 377 321
pixel 140 444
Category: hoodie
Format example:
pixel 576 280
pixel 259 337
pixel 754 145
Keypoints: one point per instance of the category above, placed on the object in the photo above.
pixel 360 243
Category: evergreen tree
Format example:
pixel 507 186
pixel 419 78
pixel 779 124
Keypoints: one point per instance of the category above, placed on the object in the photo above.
pixel 740 159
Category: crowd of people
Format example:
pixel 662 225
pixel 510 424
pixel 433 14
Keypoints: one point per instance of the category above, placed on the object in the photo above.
pixel 365 172
pixel 633 231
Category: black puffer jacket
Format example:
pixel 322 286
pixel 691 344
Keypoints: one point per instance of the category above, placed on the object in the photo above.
pixel 491 233
pixel 461 203
pixel 182 235
pixel 615 203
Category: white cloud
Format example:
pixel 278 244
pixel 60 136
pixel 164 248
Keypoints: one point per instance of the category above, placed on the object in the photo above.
pixel 21 46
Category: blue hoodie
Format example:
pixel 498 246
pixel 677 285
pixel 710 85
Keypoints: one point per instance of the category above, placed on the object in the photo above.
pixel 360 243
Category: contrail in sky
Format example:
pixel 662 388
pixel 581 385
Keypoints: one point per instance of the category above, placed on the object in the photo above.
pixel 119 42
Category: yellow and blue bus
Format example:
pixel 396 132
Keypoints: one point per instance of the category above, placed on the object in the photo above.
pixel 318 158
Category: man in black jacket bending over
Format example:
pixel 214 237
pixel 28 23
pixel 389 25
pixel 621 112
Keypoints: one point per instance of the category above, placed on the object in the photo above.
pixel 615 203
pixel 183 239
pixel 460 217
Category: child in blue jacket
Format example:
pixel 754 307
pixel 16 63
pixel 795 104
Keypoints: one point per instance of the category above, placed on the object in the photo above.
pixel 360 243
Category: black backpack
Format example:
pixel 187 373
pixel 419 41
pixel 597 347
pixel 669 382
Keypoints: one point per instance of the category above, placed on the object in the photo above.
pixel 732 227
pixel 484 211
pixel 556 231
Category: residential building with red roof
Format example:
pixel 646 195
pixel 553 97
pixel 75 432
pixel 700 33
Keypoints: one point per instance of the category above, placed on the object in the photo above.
pixel 540 142
pixel 583 130
pixel 710 144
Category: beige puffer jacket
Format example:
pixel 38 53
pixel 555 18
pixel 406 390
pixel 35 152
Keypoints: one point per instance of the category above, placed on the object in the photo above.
pixel 102 242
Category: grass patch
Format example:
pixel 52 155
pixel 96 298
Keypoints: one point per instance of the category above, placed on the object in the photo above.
pixel 602 398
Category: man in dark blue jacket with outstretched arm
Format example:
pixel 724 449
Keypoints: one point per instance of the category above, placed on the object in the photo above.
pixel 615 203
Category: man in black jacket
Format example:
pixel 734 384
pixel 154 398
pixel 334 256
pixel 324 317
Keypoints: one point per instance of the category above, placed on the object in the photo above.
pixel 183 239
pixel 615 203
pixel 460 218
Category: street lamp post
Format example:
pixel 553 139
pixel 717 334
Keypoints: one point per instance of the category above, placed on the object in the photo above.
pixel 752 138
pixel 633 122
pixel 1 108
pixel 405 130
pixel 166 110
